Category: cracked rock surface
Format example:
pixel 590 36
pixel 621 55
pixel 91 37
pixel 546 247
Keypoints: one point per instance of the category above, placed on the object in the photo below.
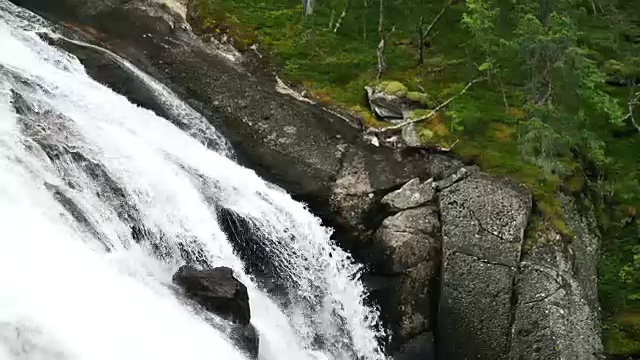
pixel 410 195
pixel 556 315
pixel 498 301
pixel 483 223
pixel 485 217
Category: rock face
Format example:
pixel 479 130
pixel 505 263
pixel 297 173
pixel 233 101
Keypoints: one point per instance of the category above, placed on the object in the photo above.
pixel 483 219
pixel 500 301
pixel 419 348
pixel 409 238
pixel 219 292
pixel 556 314
pixel 410 244
pixel 410 195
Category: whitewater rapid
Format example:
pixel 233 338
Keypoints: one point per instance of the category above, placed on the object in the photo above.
pixel 82 171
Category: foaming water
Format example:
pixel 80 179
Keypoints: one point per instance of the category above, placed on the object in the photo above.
pixel 101 201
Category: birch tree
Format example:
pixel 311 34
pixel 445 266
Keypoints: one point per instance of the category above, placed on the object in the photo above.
pixel 308 6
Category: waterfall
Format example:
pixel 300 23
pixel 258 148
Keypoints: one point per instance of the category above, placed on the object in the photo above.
pixel 101 201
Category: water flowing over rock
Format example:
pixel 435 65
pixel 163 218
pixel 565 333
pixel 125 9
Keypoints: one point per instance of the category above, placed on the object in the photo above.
pixel 218 291
pixel 91 181
pixel 128 196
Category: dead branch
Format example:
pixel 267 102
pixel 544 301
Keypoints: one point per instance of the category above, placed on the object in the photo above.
pixel 382 65
pixel 432 112
pixel 333 16
pixel 307 7
pixel 364 19
pixel 342 16
pixel 421 42
pixel 381 45
pixel 504 94
pixel 381 18
pixel 437 18
pixel 633 101
pixel 449 148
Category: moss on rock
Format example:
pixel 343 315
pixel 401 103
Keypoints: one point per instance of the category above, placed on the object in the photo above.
pixel 419 97
pixel 394 88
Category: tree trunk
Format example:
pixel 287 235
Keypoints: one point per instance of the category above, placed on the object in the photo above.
pixel 342 16
pixel 421 42
pixel 381 18
pixel 381 64
pixel 333 16
pixel 364 19
pixel 307 7
pixel 380 50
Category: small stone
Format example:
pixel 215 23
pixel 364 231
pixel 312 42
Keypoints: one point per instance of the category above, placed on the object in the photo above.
pixel 455 177
pixel 410 195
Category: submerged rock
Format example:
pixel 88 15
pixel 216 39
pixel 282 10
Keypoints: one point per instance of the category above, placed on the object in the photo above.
pixel 219 292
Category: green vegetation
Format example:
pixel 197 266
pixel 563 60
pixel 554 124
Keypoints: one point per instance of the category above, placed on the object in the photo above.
pixel 544 113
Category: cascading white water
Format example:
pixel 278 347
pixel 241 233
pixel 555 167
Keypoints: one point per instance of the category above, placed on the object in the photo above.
pixel 80 167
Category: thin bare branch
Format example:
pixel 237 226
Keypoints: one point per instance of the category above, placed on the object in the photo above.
pixel 332 18
pixel 307 7
pixel 634 99
pixel 437 18
pixel 421 42
pixel 504 94
pixel 381 18
pixel 432 112
pixel 382 66
pixel 342 16
pixel 364 19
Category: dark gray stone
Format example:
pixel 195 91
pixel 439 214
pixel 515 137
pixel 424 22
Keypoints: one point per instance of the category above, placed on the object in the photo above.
pixel 409 238
pixel 247 339
pixel 410 195
pixel 410 246
pixel 454 177
pixel 217 290
pixel 483 222
pixel 474 312
pixel 387 106
pixel 556 315
pixel 420 347
pixel 484 216
pixel 416 300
